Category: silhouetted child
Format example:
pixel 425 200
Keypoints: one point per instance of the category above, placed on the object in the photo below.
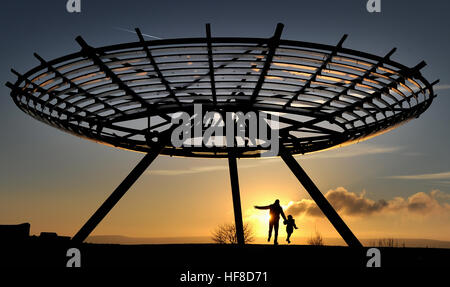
pixel 290 225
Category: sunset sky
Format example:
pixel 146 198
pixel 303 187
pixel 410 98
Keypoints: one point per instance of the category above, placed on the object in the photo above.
pixel 395 185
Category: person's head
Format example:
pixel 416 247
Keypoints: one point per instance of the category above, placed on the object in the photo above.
pixel 277 202
pixel 289 216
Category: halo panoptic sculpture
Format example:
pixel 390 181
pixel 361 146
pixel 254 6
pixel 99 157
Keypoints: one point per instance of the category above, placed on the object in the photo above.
pixel 125 95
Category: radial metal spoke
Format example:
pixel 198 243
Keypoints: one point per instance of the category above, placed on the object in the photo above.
pixel 318 70
pixel 272 46
pixel 103 67
pixel 156 68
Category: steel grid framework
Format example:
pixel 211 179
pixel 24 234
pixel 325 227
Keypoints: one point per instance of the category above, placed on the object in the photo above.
pixel 125 95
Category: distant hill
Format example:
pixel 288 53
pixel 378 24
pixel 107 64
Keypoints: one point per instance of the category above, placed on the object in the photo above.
pixel 119 239
pixel 399 242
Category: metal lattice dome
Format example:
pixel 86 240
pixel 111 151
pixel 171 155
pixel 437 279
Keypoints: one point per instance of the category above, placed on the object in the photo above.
pixel 124 95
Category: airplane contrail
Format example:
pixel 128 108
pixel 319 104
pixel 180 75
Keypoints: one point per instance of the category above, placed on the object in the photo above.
pixel 134 32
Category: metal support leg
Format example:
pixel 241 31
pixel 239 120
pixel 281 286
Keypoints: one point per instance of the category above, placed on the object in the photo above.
pixel 321 201
pixel 236 199
pixel 109 203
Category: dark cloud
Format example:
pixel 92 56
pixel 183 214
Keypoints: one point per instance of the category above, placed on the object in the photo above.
pixel 352 204
pixel 422 203
pixel 306 206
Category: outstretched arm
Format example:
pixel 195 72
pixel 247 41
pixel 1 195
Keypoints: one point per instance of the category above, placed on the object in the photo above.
pixel 262 207
pixel 282 214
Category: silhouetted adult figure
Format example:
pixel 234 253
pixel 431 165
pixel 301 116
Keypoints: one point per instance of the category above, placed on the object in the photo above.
pixel 275 211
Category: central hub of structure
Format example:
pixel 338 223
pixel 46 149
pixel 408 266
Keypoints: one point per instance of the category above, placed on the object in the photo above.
pixel 223 131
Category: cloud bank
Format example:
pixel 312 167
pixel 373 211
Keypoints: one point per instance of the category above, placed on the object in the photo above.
pixel 202 169
pixel 352 204
pixel 356 150
pixel 441 87
pixel 438 175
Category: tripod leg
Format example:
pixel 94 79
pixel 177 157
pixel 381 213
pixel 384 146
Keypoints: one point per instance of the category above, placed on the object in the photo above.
pixel 236 199
pixel 111 201
pixel 321 201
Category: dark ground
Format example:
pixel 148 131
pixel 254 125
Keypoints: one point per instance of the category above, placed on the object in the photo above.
pixel 167 263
